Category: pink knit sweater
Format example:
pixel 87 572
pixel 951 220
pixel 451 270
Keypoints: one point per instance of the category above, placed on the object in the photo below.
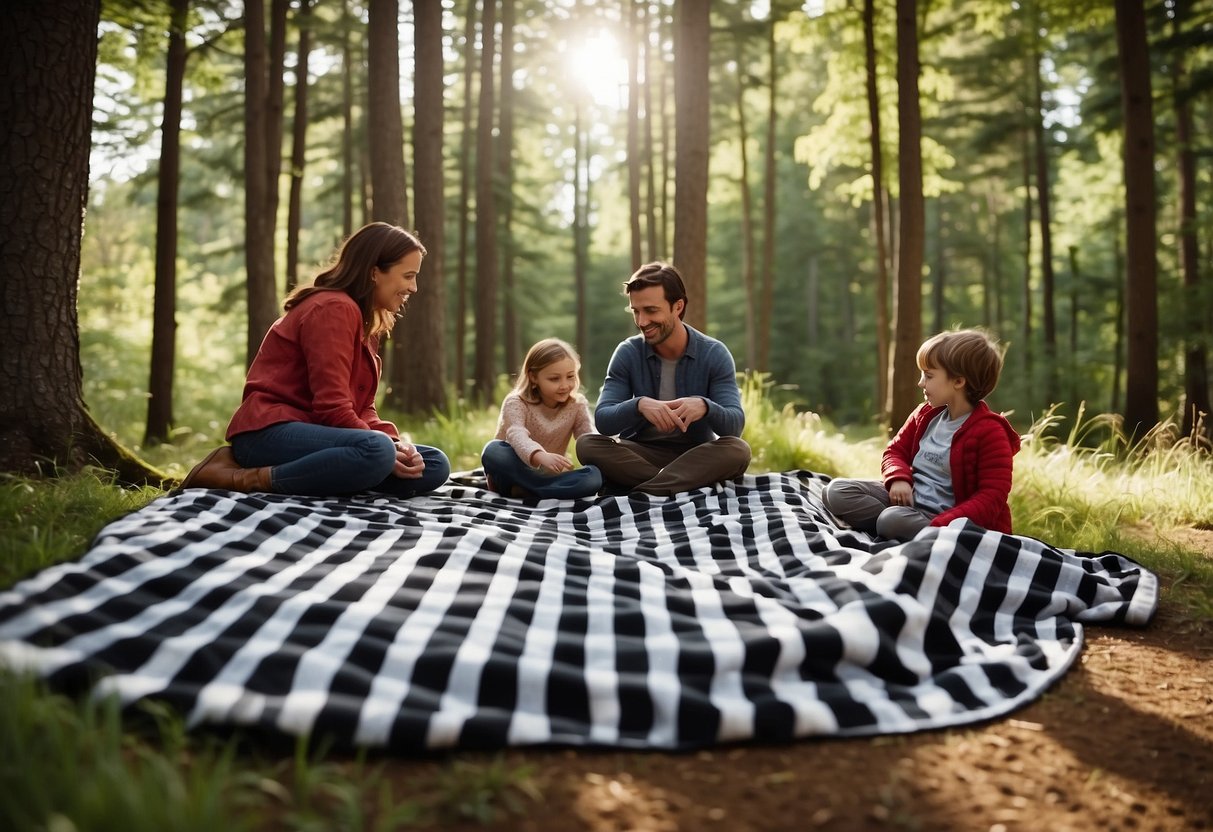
pixel 535 427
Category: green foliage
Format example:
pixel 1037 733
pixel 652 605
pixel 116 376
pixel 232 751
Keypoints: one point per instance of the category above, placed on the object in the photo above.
pixel 76 766
pixel 45 521
pixel 486 791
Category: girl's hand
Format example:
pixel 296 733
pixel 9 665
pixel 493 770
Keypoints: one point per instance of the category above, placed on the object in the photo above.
pixel 901 493
pixel 552 463
pixel 409 464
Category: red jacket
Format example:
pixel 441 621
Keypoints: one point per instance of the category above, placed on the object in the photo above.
pixel 314 366
pixel 981 463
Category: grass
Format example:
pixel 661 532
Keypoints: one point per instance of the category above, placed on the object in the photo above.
pixel 80 765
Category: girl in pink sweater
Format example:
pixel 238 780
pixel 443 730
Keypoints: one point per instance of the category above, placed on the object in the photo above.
pixel 538 418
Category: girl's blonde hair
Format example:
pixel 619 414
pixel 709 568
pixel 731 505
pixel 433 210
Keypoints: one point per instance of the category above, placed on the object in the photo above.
pixel 542 354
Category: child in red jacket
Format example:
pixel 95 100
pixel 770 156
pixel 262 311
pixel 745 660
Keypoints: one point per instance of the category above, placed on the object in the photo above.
pixel 953 456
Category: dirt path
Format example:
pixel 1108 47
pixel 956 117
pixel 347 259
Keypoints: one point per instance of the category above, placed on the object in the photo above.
pixel 1123 742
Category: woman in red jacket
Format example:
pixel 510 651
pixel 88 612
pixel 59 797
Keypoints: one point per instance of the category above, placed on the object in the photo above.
pixel 953 456
pixel 307 423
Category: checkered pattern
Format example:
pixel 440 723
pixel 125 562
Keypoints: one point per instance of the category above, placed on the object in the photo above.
pixel 463 619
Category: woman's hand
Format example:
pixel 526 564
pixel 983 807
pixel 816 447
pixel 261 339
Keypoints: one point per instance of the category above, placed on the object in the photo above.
pixel 552 463
pixel 409 464
pixel 901 493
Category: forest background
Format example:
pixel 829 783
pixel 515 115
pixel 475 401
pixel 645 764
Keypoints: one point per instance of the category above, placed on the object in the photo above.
pixel 234 145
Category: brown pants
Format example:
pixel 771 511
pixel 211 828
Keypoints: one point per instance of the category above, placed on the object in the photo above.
pixel 664 468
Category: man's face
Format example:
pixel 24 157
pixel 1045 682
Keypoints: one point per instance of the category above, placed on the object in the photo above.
pixel 655 317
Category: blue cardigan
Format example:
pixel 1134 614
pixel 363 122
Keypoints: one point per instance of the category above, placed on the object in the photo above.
pixel 706 370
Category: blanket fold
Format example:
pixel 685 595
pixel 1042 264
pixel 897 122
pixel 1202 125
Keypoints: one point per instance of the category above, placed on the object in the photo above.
pixel 462 619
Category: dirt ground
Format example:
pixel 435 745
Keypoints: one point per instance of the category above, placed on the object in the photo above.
pixel 1123 742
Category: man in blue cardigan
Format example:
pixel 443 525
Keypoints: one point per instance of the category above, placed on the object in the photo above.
pixel 669 416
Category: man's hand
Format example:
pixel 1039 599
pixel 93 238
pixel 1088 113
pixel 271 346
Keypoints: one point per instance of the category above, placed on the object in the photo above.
pixel 674 415
pixel 901 493
pixel 550 462
pixel 409 464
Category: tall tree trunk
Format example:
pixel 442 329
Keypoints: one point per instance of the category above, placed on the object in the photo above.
pixel 385 126
pixel 1048 320
pixel 1027 351
pixel 347 120
pixel 939 269
pixel 633 130
pixel 692 131
pixel 1075 282
pixel 425 327
pixel 1141 381
pixel 486 216
pixel 1118 353
pixel 48 54
pixel 505 188
pixel 164 303
pixel 667 149
pixel 650 163
pixel 258 224
pixel 878 211
pixel 748 282
pixel 581 176
pixel 767 309
pixel 465 196
pixel 1196 366
pixel 294 216
pixel 907 311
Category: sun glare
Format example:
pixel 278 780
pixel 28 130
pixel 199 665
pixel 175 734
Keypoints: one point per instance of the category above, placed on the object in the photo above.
pixel 597 66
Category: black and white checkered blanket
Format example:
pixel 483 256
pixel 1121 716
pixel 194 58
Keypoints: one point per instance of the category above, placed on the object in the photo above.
pixel 466 620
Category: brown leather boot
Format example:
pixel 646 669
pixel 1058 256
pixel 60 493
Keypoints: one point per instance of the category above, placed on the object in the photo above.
pixel 219 469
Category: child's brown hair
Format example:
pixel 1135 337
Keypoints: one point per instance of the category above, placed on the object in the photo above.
pixel 971 354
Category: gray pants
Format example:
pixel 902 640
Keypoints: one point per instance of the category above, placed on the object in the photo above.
pixel 664 468
pixel 864 505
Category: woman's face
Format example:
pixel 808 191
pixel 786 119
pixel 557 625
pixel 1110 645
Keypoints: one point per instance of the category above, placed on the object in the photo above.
pixel 395 284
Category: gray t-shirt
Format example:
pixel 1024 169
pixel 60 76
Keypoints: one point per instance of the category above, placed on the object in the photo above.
pixel 667 391
pixel 932 466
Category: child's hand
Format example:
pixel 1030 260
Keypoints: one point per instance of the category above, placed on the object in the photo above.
pixel 901 493
pixel 552 463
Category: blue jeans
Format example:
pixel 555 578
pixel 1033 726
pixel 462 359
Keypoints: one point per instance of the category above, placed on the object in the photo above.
pixel 323 461
pixel 502 463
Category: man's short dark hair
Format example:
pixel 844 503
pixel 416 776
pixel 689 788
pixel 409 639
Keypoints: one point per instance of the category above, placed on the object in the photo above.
pixel 660 274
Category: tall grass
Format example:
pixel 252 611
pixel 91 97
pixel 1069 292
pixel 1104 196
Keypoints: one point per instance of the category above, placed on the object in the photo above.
pixel 69 765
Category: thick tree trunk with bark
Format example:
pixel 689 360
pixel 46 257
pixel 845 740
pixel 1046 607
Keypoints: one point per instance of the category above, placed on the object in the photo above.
pixel 465 196
pixel 48 53
pixel 425 383
pixel 504 155
pixel 633 132
pixel 767 307
pixel 347 123
pixel 581 178
pixel 486 216
pixel 1141 380
pixel 878 211
pixel 262 287
pixel 385 126
pixel 164 302
pixel 1047 303
pixel 691 140
pixel 1196 365
pixel 294 211
pixel 908 308
pixel 752 291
